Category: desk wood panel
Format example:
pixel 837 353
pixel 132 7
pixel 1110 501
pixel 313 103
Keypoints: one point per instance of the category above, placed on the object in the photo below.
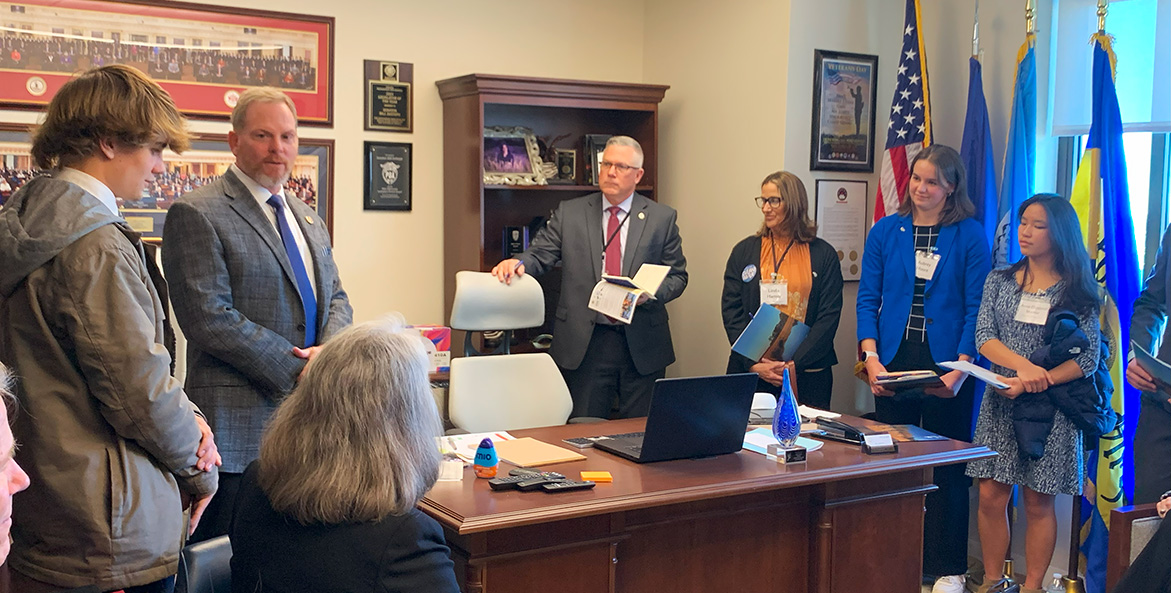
pixel 732 522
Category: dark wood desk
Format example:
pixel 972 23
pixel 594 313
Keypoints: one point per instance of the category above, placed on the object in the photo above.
pixel 842 522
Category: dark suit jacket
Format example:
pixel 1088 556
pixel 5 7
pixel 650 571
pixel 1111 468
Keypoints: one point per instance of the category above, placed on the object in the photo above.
pixel 236 300
pixel 741 300
pixel 573 237
pixel 1148 323
pixel 951 298
pixel 272 552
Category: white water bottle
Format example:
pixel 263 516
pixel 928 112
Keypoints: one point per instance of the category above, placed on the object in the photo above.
pixel 1056 585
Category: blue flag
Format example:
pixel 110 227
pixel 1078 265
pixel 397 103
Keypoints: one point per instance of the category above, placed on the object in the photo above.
pixel 976 152
pixel 1020 158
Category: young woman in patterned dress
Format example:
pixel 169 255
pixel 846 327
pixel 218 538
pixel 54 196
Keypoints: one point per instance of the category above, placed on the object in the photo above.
pixel 1054 273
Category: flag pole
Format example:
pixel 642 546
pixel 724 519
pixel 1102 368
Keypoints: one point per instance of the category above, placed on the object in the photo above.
pixel 1031 21
pixel 1102 6
pixel 976 33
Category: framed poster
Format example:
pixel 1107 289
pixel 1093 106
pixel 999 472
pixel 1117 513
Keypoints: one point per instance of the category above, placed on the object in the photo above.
pixel 844 89
pixel 203 55
pixel 387 179
pixel 840 209
pixel 209 157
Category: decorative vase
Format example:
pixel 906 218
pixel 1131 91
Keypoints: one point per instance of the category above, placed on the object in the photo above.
pixel 786 419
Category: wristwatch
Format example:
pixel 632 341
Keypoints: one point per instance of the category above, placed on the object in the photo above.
pixel 866 354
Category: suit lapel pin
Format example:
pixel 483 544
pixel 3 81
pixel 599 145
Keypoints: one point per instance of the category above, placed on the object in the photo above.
pixel 308 219
pixel 641 215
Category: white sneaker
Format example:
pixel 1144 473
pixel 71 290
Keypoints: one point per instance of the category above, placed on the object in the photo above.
pixel 949 584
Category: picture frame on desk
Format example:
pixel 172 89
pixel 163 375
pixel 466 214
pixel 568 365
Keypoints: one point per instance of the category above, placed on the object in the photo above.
pixel 511 157
pixel 844 92
pixel 592 147
pixel 193 51
pixel 209 157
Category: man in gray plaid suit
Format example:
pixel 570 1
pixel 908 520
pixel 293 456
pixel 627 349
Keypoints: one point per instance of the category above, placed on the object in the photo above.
pixel 254 287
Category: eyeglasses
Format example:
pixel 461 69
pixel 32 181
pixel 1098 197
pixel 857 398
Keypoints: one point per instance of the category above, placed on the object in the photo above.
pixel 620 167
pixel 772 202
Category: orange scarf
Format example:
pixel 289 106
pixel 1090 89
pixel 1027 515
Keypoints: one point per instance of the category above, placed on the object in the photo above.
pixel 792 266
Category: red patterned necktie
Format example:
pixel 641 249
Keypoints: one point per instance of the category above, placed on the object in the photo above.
pixel 614 249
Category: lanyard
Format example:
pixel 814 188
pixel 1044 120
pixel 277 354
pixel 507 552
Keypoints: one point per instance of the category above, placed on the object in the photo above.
pixel 614 234
pixel 773 250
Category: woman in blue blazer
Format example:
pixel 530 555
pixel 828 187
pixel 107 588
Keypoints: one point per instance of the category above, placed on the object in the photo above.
pixel 923 275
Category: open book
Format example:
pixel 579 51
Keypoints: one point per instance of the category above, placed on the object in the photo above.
pixel 770 333
pixel 617 296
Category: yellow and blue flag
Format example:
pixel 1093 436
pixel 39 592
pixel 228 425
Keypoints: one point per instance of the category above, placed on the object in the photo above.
pixel 1102 200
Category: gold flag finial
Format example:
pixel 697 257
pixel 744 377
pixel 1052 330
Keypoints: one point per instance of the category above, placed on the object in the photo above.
pixel 1031 21
pixel 1102 6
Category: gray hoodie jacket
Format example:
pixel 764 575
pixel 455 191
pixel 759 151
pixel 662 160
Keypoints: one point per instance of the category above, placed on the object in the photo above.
pixel 107 435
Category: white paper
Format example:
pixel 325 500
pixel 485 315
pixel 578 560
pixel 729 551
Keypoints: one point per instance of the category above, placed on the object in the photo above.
pixel 976 371
pixel 465 445
pixel 814 413
pixel 647 280
pixel 758 440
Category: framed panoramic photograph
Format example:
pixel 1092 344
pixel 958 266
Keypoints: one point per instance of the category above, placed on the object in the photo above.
pixel 844 89
pixel 209 157
pixel 511 157
pixel 387 179
pixel 203 55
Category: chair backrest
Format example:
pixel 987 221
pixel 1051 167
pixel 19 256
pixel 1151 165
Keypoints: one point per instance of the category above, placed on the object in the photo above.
pixel 484 303
pixel 205 567
pixel 507 392
pixel 1131 527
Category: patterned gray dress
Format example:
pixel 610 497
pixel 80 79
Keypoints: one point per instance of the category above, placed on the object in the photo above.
pixel 1061 469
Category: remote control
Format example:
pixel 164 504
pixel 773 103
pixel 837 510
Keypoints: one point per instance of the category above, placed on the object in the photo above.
pixel 507 483
pixel 566 486
pixel 522 477
pixel 536 481
pixel 520 471
pixel 580 442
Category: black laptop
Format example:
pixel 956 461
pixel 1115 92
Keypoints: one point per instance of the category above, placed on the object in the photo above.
pixel 689 417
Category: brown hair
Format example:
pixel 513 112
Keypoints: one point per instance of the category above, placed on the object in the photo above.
pixel 950 168
pixel 795 201
pixel 117 104
pixel 263 94
pixel 356 440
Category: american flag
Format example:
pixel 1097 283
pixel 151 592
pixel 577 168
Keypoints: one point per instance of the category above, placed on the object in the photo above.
pixel 909 129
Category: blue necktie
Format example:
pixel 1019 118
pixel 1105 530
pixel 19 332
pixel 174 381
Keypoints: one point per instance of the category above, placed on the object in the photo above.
pixel 308 300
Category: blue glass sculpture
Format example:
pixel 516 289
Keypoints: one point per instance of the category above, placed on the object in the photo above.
pixel 786 419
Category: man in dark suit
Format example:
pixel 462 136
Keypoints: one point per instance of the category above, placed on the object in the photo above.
pixel 254 287
pixel 608 363
pixel 1149 329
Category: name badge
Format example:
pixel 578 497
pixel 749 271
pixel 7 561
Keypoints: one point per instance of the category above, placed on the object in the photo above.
pixel 1033 310
pixel 775 293
pixel 925 264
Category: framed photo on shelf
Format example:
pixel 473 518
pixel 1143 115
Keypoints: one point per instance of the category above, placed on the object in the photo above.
pixel 311 179
pixel 203 55
pixel 840 211
pixel 387 179
pixel 511 157
pixel 844 90
pixel 594 145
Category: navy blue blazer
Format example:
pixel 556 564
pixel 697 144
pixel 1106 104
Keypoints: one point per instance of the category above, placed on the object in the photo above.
pixel 951 298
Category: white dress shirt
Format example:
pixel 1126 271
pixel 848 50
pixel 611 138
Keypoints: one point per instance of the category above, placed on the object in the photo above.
pixel 90 184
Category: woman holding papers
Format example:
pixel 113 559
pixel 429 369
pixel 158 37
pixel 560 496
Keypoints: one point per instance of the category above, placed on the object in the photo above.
pixel 1054 275
pixel 918 298
pixel 785 265
pixel 330 504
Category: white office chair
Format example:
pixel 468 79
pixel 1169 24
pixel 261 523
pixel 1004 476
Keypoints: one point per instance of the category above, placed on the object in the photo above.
pixel 502 391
